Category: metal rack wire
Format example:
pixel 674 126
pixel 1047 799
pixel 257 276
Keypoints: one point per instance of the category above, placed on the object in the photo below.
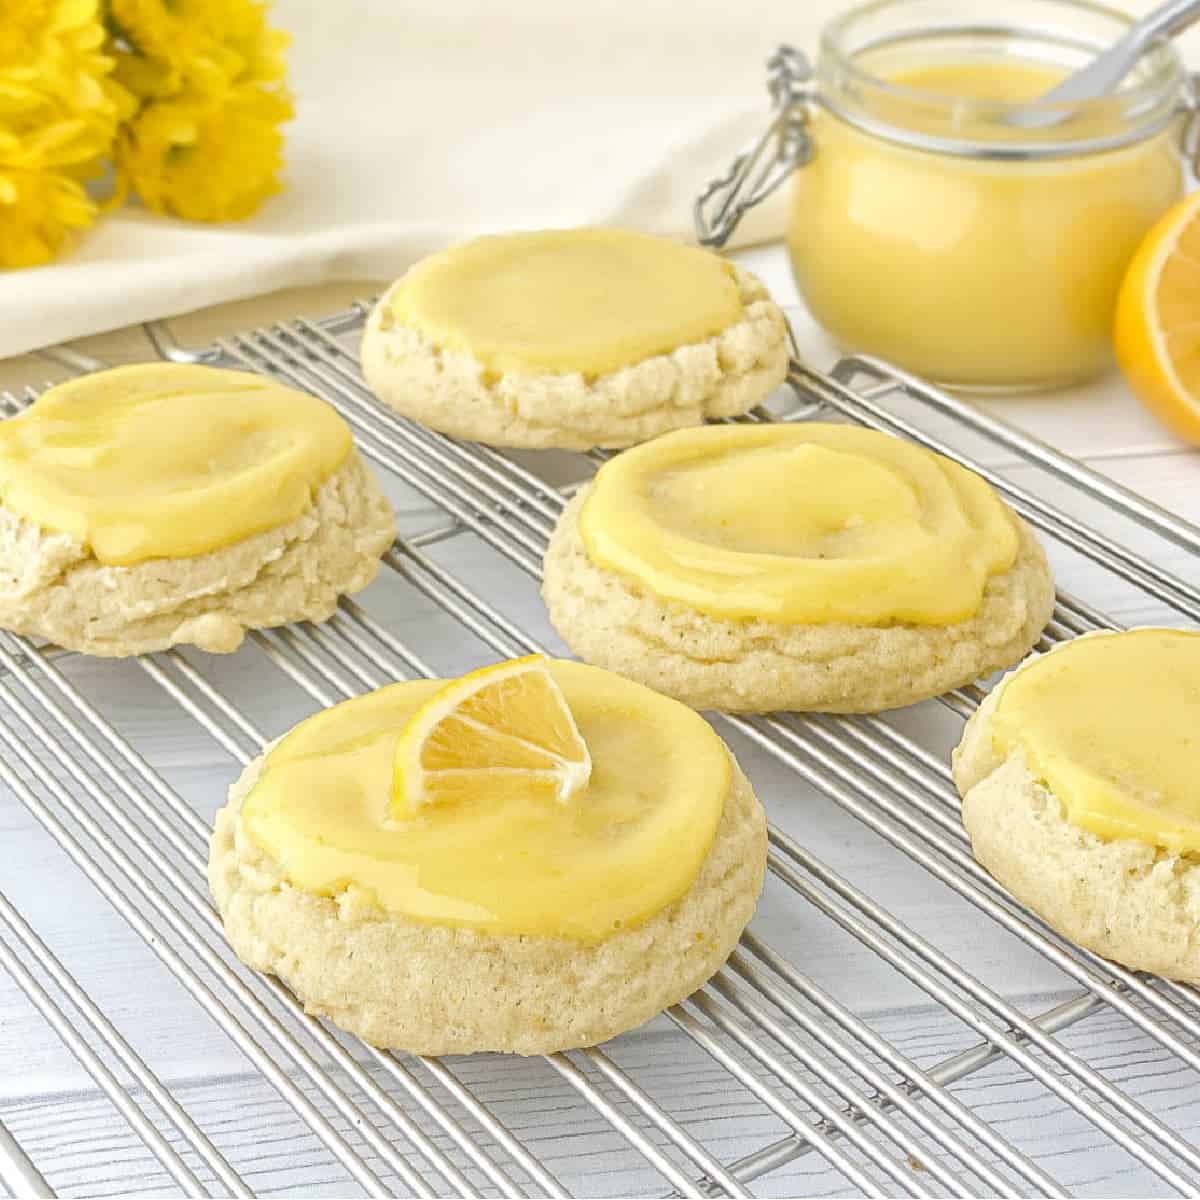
pixel 829 1096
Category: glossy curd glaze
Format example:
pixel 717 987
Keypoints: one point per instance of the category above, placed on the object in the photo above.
pixel 570 300
pixel 799 524
pixel 964 270
pixel 620 850
pixel 167 460
pixel 1111 725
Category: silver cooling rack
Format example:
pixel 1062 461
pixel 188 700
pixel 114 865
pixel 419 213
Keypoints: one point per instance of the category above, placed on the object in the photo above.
pixel 862 1040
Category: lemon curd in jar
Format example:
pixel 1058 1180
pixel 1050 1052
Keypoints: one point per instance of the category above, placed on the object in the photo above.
pixel 972 269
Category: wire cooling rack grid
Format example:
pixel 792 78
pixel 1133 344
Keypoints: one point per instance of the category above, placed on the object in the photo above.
pixel 862 1040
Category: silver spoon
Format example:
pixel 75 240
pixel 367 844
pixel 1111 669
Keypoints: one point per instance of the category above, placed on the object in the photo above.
pixel 1109 67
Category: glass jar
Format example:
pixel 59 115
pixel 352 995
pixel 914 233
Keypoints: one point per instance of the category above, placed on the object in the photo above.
pixel 943 218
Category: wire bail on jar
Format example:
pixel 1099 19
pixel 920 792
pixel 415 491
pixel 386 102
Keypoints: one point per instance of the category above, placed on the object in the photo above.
pixel 782 147
pixel 787 142
pixel 1189 137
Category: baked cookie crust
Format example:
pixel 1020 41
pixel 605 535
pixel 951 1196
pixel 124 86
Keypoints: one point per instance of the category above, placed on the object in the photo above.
pixel 761 666
pixel 451 391
pixel 432 989
pixel 52 587
pixel 1124 899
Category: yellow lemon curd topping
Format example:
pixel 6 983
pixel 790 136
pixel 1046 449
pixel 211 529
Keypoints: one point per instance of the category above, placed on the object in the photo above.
pixel 568 300
pixel 165 460
pixel 1111 725
pixel 969 270
pixel 620 850
pixel 799 524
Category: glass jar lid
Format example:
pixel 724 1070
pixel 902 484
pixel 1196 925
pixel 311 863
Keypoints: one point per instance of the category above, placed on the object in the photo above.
pixel 864 51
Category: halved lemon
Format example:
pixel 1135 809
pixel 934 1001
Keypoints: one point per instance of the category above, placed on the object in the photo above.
pixel 504 729
pixel 1156 331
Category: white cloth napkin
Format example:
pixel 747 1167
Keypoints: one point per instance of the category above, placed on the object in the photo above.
pixel 422 123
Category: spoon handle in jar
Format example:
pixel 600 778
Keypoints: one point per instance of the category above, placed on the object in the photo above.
pixel 1112 65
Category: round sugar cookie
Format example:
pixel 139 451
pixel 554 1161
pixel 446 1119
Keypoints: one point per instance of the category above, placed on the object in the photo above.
pixel 741 662
pixel 429 986
pixel 576 338
pixel 1124 898
pixel 82 563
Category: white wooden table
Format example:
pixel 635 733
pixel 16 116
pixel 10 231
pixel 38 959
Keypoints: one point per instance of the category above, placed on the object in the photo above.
pixel 73 1135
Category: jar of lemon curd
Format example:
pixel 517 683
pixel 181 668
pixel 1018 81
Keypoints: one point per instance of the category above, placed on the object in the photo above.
pixel 942 218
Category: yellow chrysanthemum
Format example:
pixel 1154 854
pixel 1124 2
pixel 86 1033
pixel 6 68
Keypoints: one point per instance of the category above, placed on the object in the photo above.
pixel 54 46
pixel 185 95
pixel 38 212
pixel 59 110
pixel 206 144
pixel 204 157
pixel 202 45
pixel 56 96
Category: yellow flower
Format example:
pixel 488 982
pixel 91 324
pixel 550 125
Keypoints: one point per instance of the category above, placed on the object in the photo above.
pixel 38 211
pixel 205 157
pixel 206 144
pixel 158 45
pixel 57 44
pixel 202 45
pixel 55 89
pixel 242 27
pixel 59 109
pixel 186 96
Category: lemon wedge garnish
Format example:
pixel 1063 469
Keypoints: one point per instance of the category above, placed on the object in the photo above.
pixel 502 730
pixel 1156 332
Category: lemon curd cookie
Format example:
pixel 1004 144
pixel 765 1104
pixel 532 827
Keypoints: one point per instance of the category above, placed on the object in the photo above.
pixel 531 858
pixel 1079 783
pixel 574 338
pixel 155 505
pixel 815 567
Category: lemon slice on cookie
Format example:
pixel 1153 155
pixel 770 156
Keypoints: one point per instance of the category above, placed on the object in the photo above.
pixel 469 924
pixel 504 728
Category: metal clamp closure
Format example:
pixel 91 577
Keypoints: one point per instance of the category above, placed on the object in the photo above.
pixel 784 145
pixel 1189 137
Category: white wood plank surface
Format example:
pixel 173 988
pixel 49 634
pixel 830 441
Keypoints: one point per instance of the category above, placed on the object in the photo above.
pixel 74 1136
